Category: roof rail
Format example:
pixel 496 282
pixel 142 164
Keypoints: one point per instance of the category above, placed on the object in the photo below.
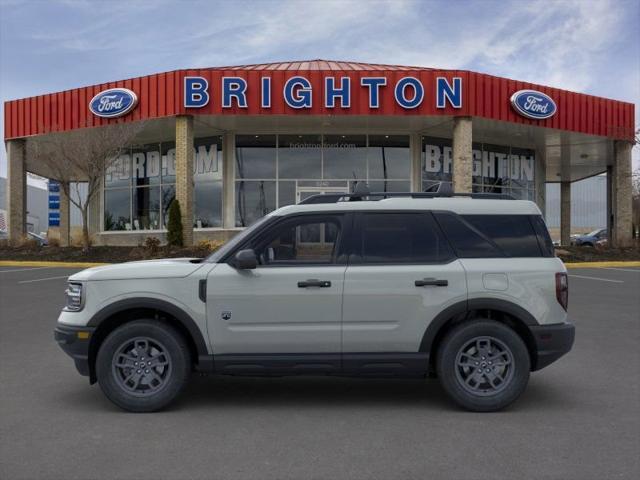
pixel 373 196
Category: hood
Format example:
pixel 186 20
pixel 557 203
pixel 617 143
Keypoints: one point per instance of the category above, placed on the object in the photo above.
pixel 164 268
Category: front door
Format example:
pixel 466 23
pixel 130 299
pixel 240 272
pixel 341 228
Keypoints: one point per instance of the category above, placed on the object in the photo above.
pixel 290 304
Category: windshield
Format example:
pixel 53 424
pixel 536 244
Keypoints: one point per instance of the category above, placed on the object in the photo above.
pixel 594 233
pixel 239 238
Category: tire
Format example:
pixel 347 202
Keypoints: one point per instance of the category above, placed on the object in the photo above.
pixel 143 365
pixel 489 346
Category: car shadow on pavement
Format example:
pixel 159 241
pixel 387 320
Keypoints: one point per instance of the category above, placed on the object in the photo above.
pixel 312 392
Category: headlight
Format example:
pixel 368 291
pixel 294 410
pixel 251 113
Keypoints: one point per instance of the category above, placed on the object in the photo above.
pixel 74 297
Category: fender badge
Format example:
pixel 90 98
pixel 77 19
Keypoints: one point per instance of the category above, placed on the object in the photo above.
pixel 226 315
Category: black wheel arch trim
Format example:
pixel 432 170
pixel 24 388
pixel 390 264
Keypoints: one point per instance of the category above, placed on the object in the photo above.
pixel 154 304
pixel 462 308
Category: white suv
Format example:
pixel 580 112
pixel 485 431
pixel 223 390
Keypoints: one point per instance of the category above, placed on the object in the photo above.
pixel 465 288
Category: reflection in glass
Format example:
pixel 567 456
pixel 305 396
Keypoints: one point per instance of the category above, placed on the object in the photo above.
pixel 168 194
pixel 116 209
pixel 256 156
pixel 389 156
pixel 345 156
pixel 208 205
pixel 254 199
pixel 300 156
pixel 146 165
pixel 146 208
pixel 118 174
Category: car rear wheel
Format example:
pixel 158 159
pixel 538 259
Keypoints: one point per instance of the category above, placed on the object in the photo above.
pixel 143 365
pixel 483 365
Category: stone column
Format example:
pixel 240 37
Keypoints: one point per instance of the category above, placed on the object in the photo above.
pixel 184 174
pixel 415 147
pixel 565 213
pixel 16 191
pixel 462 154
pixel 540 181
pixel 622 193
pixel 65 218
pixel 228 180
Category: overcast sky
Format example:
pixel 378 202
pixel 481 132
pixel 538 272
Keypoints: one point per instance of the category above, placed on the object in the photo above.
pixel 582 45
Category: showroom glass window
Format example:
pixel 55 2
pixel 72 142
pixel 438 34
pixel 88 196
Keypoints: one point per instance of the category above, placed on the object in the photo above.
pixel 277 170
pixel 140 186
pixel 496 168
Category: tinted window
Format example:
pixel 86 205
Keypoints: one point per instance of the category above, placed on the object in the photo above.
pixel 513 234
pixel 306 240
pixel 402 238
pixel 466 240
pixel 544 240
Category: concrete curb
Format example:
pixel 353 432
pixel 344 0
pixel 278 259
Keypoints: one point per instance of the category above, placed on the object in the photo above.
pixel 28 263
pixel 602 264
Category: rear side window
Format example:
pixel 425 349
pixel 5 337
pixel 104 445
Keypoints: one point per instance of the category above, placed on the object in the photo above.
pixel 401 238
pixel 513 234
pixel 468 241
pixel 544 239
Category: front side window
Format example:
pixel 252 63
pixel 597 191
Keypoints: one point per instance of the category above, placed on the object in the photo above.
pixel 401 238
pixel 302 241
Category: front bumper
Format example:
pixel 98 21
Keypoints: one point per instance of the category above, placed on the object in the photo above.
pixel 75 343
pixel 552 342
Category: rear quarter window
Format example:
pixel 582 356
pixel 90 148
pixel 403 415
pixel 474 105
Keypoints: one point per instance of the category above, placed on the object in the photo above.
pixel 513 234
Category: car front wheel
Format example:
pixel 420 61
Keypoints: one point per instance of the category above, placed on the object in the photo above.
pixel 483 365
pixel 143 365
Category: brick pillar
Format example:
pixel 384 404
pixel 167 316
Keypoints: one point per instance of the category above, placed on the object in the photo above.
pixel 415 147
pixel 565 213
pixel 622 192
pixel 16 191
pixel 540 181
pixel 462 154
pixel 228 180
pixel 184 174
pixel 65 218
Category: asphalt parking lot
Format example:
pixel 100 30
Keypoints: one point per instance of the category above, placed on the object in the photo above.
pixel 578 419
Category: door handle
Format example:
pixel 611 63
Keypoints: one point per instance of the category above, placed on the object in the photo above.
pixel 427 282
pixel 314 283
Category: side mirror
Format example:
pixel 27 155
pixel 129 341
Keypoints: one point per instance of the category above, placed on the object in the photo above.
pixel 245 260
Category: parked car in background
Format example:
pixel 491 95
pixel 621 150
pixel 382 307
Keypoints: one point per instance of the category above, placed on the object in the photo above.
pixel 41 239
pixel 590 239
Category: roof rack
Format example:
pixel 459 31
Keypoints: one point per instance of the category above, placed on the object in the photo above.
pixel 373 196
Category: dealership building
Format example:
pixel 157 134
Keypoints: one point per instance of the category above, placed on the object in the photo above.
pixel 234 143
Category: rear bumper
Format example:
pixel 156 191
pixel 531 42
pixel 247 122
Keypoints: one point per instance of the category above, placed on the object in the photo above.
pixel 75 343
pixel 552 342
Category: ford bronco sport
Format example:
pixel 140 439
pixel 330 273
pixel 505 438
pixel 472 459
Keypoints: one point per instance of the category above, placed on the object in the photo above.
pixel 462 287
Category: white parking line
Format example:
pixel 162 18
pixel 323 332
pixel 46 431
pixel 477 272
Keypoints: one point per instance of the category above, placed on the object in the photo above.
pixel 24 269
pixel 43 279
pixel 622 269
pixel 597 278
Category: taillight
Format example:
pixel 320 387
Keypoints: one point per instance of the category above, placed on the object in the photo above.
pixel 562 289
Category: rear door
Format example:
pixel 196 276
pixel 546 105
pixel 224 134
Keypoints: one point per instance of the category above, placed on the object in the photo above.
pixel 401 274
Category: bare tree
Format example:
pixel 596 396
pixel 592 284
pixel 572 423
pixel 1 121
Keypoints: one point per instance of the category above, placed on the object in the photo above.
pixel 82 156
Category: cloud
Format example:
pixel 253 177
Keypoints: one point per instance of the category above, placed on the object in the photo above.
pixel 583 45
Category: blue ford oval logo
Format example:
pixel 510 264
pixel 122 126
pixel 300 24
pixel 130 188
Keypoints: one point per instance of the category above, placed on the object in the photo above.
pixel 114 102
pixel 533 104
